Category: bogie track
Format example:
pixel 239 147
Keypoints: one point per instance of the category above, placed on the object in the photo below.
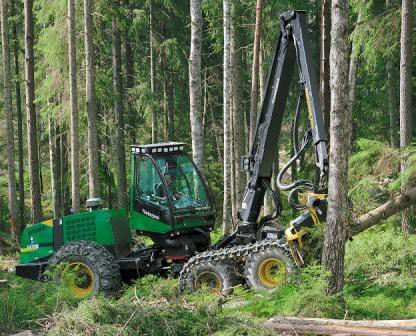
pixel 235 256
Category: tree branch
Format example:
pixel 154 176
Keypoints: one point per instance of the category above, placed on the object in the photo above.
pixel 384 211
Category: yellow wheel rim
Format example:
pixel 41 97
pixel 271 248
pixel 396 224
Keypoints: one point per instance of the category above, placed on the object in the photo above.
pixel 272 272
pixel 208 280
pixel 79 279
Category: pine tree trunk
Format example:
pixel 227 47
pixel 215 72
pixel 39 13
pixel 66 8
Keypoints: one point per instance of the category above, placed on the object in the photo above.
pixel 195 90
pixel 325 44
pixel 32 134
pixel 93 164
pixel 75 192
pixel 171 112
pixel 406 91
pixel 7 87
pixel 227 215
pixel 129 66
pixel 152 70
pixel 217 135
pixel 54 160
pixel 338 210
pixel 237 112
pixel 120 154
pixel 393 110
pixel 392 92
pixel 255 71
pixel 352 79
pixel 63 176
pixel 16 51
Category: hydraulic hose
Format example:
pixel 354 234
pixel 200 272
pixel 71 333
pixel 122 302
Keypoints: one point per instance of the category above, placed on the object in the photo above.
pixel 299 183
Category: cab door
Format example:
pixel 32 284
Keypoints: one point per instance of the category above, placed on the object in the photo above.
pixel 151 201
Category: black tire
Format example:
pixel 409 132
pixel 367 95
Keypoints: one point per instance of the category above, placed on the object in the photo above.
pixel 259 266
pixel 97 266
pixel 215 276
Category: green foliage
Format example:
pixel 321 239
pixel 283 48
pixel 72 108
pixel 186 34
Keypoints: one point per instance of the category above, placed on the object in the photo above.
pixel 26 301
pixel 408 176
pixel 366 155
pixel 380 269
pixel 152 307
pixel 371 168
pixel 306 296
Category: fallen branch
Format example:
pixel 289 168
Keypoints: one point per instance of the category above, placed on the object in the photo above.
pixel 298 325
pixel 384 211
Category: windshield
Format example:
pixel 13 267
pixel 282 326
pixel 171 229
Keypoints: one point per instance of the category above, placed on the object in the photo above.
pixel 183 182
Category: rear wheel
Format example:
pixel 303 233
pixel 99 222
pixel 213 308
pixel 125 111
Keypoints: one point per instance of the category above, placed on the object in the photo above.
pixel 268 269
pixel 216 277
pixel 86 268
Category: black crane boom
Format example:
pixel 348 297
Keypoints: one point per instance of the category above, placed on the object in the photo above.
pixel 293 47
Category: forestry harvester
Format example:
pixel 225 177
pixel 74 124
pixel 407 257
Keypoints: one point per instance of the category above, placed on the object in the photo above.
pixel 171 204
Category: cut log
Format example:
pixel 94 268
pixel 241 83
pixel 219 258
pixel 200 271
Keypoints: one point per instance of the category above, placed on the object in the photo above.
pixel 4 283
pixel 384 211
pixel 318 326
pixel 24 333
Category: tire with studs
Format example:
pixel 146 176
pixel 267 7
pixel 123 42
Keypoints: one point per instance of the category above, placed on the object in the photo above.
pixel 86 268
pixel 214 276
pixel 269 268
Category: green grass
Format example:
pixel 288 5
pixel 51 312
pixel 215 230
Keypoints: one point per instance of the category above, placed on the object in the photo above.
pixel 380 268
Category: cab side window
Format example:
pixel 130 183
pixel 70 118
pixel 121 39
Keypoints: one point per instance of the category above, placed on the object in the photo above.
pixel 149 186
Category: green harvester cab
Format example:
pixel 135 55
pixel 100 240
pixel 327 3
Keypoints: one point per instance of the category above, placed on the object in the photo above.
pixel 169 202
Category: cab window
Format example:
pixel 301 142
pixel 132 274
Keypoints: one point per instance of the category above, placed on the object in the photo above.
pixel 149 186
pixel 184 185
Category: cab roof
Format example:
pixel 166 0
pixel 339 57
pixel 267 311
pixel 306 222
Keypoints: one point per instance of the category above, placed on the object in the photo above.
pixel 158 148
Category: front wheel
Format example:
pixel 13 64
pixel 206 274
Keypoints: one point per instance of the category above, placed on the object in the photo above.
pixel 86 268
pixel 268 269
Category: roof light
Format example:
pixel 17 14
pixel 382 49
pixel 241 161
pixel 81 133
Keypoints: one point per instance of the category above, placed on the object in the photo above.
pixel 160 148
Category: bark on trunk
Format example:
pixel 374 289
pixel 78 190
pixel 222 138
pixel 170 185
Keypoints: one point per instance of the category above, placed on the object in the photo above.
pixel 393 110
pixel 227 215
pixel 55 169
pixel 325 42
pixel 338 211
pixel 129 57
pixel 237 112
pixel 93 168
pixel 63 176
pixel 7 87
pixel 195 90
pixel 217 135
pixel 406 89
pixel 32 134
pixel 75 192
pixel 16 51
pixel 319 326
pixel 171 111
pixel 120 154
pixel 152 70
pixel 255 71
pixel 352 79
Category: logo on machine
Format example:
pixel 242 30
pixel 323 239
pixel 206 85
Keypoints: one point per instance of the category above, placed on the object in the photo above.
pixel 33 247
pixel 147 213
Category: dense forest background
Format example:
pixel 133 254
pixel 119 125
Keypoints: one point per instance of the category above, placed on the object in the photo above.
pixel 140 68
pixel 83 80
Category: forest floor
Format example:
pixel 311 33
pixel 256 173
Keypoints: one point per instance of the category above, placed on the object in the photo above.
pixel 380 270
